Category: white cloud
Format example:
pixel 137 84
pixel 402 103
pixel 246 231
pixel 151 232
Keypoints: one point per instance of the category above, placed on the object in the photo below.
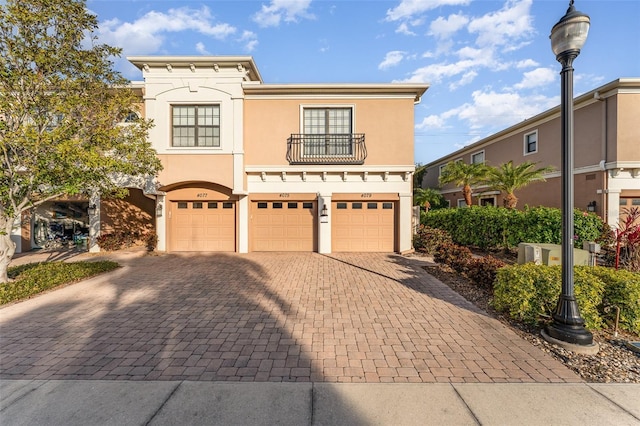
pixel 282 10
pixel 403 28
pixel 526 63
pixel 434 73
pixel 500 110
pixel 467 78
pixel 202 49
pixel 391 59
pixel 512 23
pixel 408 8
pixel 249 39
pixel 431 122
pixel 446 27
pixel 146 34
pixel 537 78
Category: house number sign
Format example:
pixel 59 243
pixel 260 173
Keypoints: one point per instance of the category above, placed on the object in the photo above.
pixel 202 194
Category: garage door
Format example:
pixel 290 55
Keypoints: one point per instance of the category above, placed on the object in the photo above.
pixel 283 226
pixel 363 226
pixel 202 226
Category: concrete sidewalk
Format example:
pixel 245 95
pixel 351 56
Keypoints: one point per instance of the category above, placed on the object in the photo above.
pixel 88 402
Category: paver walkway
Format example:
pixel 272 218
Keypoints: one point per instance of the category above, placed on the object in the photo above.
pixel 265 317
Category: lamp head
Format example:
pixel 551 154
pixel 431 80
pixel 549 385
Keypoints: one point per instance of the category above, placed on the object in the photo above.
pixel 570 33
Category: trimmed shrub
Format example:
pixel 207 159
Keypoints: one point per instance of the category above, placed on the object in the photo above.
pixel 483 270
pixel 453 255
pixel 500 228
pixel 622 289
pixel 428 240
pixel 35 278
pixel 527 292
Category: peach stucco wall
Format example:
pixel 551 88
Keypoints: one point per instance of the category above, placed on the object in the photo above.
pixel 628 142
pixel 196 167
pixel 386 123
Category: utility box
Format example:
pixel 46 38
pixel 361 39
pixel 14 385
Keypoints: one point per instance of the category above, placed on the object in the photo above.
pixel 529 253
pixel 550 254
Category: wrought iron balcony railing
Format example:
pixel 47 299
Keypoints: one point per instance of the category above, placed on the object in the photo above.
pixel 326 149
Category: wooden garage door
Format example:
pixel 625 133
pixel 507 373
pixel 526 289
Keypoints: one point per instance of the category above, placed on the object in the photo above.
pixel 202 226
pixel 283 225
pixel 363 226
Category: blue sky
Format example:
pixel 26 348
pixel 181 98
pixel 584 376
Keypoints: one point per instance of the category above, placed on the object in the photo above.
pixel 489 63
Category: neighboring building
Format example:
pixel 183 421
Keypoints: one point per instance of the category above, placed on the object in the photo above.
pixel 250 166
pixel 606 154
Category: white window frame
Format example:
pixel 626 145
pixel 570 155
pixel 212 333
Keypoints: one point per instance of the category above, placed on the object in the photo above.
pixel 486 197
pixel 525 143
pixel 196 105
pixel 352 107
pixel 461 203
pixel 477 153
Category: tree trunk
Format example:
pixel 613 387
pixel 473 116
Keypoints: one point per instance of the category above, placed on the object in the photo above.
pixel 466 191
pixel 510 201
pixel 7 250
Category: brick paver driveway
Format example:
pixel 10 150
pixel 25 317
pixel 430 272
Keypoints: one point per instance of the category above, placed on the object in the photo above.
pixel 265 317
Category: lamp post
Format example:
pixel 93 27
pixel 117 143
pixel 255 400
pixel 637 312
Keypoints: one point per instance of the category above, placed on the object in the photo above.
pixel 567 38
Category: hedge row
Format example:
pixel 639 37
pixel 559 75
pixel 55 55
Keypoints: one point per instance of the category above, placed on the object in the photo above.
pixel 34 278
pixel 530 292
pixel 499 228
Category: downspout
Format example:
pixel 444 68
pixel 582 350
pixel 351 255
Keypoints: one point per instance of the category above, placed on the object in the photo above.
pixel 603 163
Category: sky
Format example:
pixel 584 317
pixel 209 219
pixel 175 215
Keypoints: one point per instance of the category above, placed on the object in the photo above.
pixel 489 63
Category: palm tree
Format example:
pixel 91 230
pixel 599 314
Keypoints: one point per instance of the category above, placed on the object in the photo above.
pixel 427 197
pixel 508 178
pixel 464 175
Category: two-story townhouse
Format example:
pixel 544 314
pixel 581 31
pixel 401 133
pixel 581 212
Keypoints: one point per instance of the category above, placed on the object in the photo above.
pixel 606 154
pixel 250 166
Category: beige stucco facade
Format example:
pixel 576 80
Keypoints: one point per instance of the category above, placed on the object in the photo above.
pixel 606 153
pixel 244 192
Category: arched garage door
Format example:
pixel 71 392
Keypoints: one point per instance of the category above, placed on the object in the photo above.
pixel 202 226
pixel 360 226
pixel 283 225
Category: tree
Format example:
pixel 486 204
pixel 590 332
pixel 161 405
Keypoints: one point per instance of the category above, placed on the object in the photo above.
pixel 508 178
pixel 463 175
pixel 428 198
pixel 61 111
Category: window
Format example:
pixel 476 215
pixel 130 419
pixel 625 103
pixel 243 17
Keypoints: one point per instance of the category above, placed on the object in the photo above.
pixel 196 126
pixel 197 205
pixel 356 206
pixel 462 202
pixel 182 205
pixel 327 131
pixel 387 206
pixel 477 158
pixel 531 143
pixel 307 205
pixel 227 205
pixel 276 205
pixel 372 206
pixel 262 205
pixel 341 206
pixel 292 205
pixel 212 205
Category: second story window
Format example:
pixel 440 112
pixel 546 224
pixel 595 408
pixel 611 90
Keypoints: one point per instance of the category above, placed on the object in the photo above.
pixel 477 158
pixel 327 131
pixel 195 126
pixel 530 143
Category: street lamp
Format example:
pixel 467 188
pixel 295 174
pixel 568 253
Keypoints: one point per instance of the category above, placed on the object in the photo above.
pixel 567 38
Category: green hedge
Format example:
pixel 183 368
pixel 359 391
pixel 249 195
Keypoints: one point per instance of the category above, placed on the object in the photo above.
pixel 34 278
pixel 498 227
pixel 530 292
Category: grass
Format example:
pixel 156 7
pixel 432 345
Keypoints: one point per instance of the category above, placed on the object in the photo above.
pixel 35 278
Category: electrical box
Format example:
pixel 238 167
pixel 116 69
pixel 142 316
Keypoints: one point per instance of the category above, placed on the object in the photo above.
pixel 549 254
pixel 591 247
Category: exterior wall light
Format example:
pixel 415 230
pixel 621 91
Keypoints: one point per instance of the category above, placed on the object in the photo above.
pixel 324 215
pixel 91 210
pixel 591 207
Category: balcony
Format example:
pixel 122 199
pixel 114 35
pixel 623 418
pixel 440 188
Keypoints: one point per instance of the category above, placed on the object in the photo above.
pixel 326 149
